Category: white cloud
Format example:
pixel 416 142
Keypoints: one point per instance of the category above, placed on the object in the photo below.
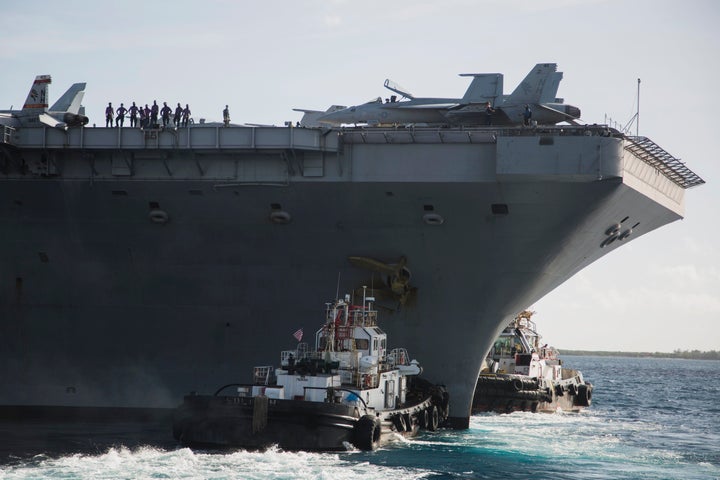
pixel 333 20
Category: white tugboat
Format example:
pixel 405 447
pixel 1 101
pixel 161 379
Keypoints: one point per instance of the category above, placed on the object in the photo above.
pixel 519 374
pixel 348 391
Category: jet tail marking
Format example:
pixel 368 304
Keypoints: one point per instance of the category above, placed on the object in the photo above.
pixel 37 99
pixel 534 86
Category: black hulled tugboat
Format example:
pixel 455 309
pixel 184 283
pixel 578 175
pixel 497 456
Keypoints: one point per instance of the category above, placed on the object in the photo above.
pixel 519 374
pixel 348 391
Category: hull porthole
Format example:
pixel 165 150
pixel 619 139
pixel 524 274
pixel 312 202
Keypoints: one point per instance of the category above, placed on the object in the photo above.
pixel 280 217
pixel 433 219
pixel 158 216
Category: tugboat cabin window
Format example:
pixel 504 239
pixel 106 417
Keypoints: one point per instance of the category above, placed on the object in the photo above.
pixel 362 343
pixel 504 346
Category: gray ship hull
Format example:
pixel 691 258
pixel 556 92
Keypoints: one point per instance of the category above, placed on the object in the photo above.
pixel 106 303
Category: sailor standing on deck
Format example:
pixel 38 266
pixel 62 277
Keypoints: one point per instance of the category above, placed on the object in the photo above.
pixel 147 112
pixel 178 114
pixel 226 116
pixel 527 115
pixel 154 114
pixel 488 113
pixel 165 114
pixel 120 119
pixel 133 114
pixel 109 112
pixel 185 115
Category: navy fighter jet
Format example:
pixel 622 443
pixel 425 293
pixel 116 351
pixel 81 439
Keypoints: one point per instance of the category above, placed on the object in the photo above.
pixel 64 113
pixel 310 117
pixel 537 91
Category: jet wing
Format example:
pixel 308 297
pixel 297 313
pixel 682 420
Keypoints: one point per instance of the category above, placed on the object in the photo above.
pixel 429 106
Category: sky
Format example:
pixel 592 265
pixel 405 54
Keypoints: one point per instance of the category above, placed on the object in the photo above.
pixel 660 292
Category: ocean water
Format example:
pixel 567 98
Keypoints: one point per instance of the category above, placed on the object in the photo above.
pixel 650 419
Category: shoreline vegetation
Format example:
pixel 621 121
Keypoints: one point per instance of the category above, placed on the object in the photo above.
pixel 686 354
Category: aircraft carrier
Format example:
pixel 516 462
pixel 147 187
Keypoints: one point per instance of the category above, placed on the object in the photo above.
pixel 140 265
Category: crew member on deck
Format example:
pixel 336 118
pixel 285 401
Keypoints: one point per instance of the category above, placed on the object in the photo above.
pixel 133 114
pixel 488 113
pixel 148 112
pixel 109 112
pixel 226 116
pixel 178 115
pixel 120 119
pixel 527 115
pixel 154 114
pixel 185 115
pixel 165 114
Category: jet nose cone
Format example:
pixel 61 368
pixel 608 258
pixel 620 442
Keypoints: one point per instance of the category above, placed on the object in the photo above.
pixel 333 118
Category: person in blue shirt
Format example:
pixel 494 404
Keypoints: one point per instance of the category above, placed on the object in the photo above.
pixel 527 115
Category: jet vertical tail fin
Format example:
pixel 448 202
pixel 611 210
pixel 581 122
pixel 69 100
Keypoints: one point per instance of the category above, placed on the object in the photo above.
pixel 535 85
pixel 550 90
pixel 70 101
pixel 485 87
pixel 37 100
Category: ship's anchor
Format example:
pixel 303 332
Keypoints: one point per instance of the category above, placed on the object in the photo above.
pixel 397 278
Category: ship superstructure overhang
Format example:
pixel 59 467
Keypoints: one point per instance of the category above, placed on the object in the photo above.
pixel 142 264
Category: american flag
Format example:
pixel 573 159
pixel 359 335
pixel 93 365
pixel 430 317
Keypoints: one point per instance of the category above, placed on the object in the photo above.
pixel 298 334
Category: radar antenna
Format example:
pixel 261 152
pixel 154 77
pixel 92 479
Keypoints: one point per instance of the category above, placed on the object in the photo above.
pixel 635 118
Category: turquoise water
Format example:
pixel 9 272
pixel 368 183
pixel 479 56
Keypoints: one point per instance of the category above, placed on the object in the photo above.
pixel 650 419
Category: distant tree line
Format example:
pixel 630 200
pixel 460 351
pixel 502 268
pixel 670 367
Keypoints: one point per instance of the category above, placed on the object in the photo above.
pixel 687 354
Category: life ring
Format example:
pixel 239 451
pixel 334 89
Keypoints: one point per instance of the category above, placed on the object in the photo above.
pixel 367 433
pixel 158 216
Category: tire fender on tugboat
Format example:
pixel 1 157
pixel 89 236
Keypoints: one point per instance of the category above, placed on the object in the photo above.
pixel 584 396
pixel 367 433
pixel 434 420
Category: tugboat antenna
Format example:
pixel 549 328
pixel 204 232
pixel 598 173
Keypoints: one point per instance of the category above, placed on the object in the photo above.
pixel 337 290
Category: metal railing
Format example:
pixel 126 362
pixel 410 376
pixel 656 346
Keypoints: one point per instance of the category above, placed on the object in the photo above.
pixel 652 154
pixel 6 134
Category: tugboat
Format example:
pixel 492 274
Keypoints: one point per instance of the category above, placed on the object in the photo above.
pixel 347 392
pixel 521 375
